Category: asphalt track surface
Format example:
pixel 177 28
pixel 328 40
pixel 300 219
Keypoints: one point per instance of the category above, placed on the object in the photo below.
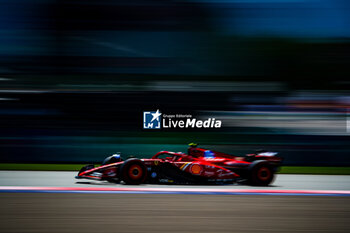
pixel 56 212
pixel 99 213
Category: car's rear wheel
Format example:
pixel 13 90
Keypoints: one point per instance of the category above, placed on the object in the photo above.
pixel 133 172
pixel 261 173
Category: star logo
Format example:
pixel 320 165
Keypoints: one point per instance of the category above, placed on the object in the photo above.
pixel 156 115
pixel 152 119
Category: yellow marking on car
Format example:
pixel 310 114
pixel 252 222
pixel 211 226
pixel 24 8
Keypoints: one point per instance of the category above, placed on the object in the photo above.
pixel 183 167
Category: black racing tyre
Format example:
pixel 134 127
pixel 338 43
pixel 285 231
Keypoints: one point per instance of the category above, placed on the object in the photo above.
pixel 133 172
pixel 260 173
pixel 111 159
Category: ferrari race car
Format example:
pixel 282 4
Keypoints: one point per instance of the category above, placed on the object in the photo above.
pixel 198 166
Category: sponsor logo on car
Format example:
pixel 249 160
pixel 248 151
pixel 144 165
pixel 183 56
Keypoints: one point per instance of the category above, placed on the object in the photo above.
pixel 209 173
pixel 196 169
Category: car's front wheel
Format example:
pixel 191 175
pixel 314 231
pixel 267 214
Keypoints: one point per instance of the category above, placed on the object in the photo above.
pixel 133 172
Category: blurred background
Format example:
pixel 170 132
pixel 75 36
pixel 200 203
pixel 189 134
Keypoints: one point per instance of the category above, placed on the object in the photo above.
pixel 76 76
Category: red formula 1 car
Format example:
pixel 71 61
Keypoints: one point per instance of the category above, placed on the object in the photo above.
pixel 198 166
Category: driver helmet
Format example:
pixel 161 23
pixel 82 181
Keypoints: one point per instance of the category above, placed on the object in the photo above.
pixel 209 154
pixel 117 155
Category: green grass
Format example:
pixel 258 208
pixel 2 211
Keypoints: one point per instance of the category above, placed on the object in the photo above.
pixel 40 167
pixel 315 170
pixel 76 167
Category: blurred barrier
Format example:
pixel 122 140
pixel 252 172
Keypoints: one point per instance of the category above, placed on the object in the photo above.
pixel 67 149
pixel 76 76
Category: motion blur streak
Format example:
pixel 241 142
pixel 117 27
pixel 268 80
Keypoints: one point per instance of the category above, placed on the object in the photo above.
pixel 171 213
pixel 75 77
